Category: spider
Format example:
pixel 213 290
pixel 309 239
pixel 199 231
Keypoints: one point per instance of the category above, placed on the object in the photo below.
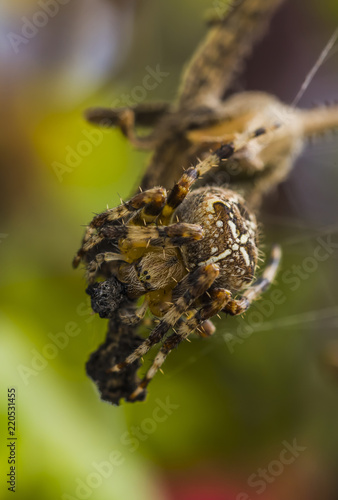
pixel 192 254
pixel 188 254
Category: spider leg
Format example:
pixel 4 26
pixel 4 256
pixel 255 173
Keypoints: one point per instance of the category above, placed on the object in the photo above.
pixel 239 306
pixel 94 266
pixel 216 302
pixel 129 317
pixel 145 236
pixel 192 286
pixel 150 202
pixel 206 329
pixel 182 187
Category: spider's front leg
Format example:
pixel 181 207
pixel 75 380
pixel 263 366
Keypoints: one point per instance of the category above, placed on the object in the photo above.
pixel 238 306
pixel 212 303
pixel 148 203
pixel 214 160
pixel 192 286
pixel 182 187
pixel 133 238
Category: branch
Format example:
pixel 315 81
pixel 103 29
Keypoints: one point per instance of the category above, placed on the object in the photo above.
pixel 218 59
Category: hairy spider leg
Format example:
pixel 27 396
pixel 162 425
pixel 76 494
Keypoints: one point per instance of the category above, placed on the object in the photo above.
pixel 139 236
pixel 132 238
pixel 99 259
pixel 216 302
pixel 192 286
pixel 182 187
pixel 150 201
pixel 206 329
pixel 239 306
pixel 133 317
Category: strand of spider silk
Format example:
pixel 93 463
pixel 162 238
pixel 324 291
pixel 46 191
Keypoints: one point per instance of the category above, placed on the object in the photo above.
pixel 320 61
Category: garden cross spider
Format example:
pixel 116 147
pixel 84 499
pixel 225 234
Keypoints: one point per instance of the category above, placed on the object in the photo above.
pixel 190 253
pixel 186 252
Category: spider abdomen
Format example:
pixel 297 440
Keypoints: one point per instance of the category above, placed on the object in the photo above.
pixel 230 234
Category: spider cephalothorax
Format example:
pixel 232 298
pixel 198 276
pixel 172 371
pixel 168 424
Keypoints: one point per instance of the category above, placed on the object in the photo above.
pixel 186 252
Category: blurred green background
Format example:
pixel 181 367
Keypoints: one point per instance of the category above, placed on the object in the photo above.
pixel 226 406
